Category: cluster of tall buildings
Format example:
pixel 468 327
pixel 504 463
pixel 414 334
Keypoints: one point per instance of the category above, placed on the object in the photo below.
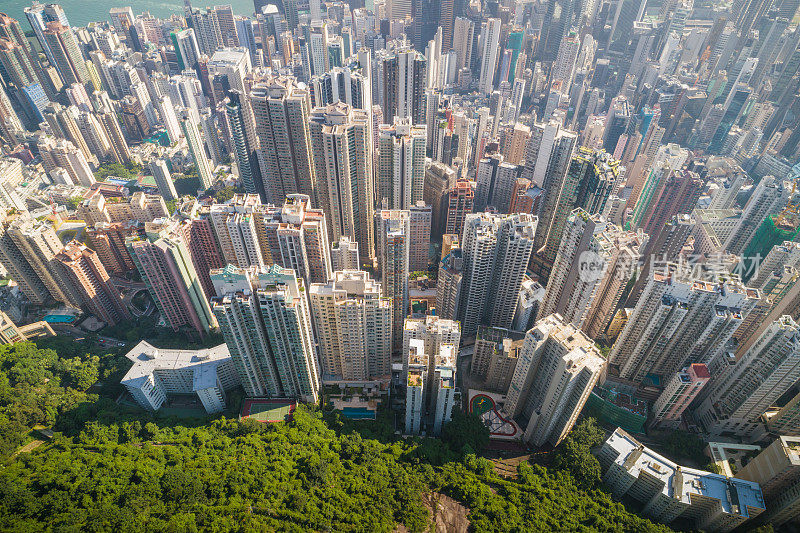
pixel 595 194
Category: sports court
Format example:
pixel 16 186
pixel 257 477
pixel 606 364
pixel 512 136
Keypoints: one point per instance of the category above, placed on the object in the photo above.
pixel 484 405
pixel 267 409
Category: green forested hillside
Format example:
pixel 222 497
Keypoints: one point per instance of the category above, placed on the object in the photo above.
pixel 135 472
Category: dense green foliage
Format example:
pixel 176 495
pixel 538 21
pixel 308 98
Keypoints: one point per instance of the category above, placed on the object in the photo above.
pixel 172 205
pixel 74 202
pixel 38 386
pixel 574 454
pixel 128 172
pixel 186 184
pixel 224 194
pixel 297 476
pixel 145 328
pixel 541 499
pixel 466 433
pixel 111 470
pixel 685 447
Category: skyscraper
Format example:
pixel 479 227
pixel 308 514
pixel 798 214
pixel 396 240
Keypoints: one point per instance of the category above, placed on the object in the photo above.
pixel 198 235
pixel 281 108
pixel 163 179
pixel 80 267
pixel 10 123
pixel 665 249
pixel 401 80
pixel 344 255
pixel 350 84
pixel 108 240
pixel 678 393
pixel 26 269
pixel 39 15
pixel 266 322
pixel 489 54
pixel 166 267
pixel 341 137
pixel 224 22
pixel 496 250
pixel 627 465
pixel 237 225
pixel 776 278
pixel 354 326
pixel 770 195
pixel 496 353
pixel 416 359
pixel 736 400
pixel 447 21
pixel 680 319
pixel 245 145
pixel 557 368
pixel 439 178
pixel 400 175
pixel 460 202
pixel 206 32
pixel 438 339
pixel 10 29
pixel 195 143
pixel 449 284
pixel 420 237
pixel 63 124
pixel 62 153
pixel 38 244
pixel 495 183
pixel 623 251
pixel 579 266
pixel 776 469
pixel 66 52
pixel 558 19
pixel 297 237
pixel 186 47
pixel 119 148
pixel 547 159
pixel 16 63
pixel 590 178
pixel 393 242
pixel 677 193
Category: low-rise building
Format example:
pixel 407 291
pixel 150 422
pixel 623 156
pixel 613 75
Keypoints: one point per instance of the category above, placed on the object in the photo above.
pixel 157 373
pixel 11 333
pixel 670 491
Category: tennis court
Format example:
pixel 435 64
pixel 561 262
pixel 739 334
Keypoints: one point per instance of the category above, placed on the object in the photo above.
pixel 267 410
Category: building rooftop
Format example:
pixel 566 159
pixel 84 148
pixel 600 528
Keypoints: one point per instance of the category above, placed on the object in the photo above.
pixel 416 353
pixel 700 370
pixel 148 359
pixel 736 496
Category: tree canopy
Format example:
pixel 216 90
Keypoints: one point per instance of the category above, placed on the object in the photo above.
pixel 108 469
pixel 128 172
pixel 37 386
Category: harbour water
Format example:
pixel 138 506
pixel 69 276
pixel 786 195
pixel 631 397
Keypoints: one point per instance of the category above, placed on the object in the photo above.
pixel 81 12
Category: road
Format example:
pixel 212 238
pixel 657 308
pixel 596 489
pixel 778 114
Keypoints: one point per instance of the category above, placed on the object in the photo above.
pixel 72 331
pixel 109 341
pixel 132 288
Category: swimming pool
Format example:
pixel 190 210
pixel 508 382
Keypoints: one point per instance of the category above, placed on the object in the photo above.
pixel 358 413
pixel 59 319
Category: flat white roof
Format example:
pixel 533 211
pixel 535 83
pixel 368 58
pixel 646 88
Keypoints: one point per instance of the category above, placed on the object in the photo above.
pixel 683 482
pixel 147 359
